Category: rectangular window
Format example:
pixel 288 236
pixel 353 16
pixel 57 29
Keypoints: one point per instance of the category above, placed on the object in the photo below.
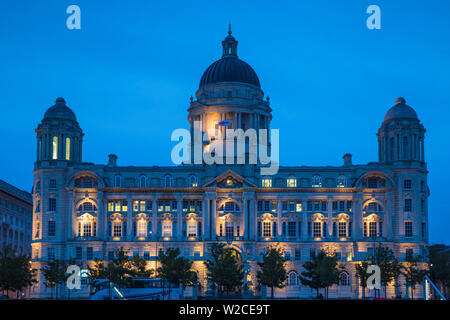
pixel 342 229
pixel 291 228
pixel 111 255
pixel 407 184
pixel 291 206
pixel 117 229
pixel 52 184
pixel 192 230
pixel 142 228
pixel 372 183
pixel 167 229
pixel 298 206
pixel 317 230
pixel 79 253
pixel 51 254
pixel 422 206
pixel 408 205
pixel 298 254
pixel 51 228
pixel 408 229
pixel 424 230
pixel 372 229
pixel 52 204
pixel 87 229
pixel 260 205
pixel 89 253
pixel 229 230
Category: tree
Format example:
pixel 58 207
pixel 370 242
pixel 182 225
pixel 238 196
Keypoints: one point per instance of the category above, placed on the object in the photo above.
pixel 175 269
pixel 439 267
pixel 138 268
pixel 272 273
pixel 225 269
pixel 55 274
pixel 320 272
pixel 363 276
pixel 413 275
pixel 15 271
pixel 384 258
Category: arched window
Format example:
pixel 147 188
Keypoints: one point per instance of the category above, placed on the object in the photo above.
pixel 317 181
pixel 341 182
pixel 142 181
pixel 193 182
pixel 67 148
pixel 292 279
pixel 87 226
pixel 167 181
pixel 291 182
pixel 117 181
pixel 55 148
pixel 266 183
pixel 344 279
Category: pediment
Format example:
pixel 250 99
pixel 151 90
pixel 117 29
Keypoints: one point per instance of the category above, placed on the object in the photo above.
pixel 229 179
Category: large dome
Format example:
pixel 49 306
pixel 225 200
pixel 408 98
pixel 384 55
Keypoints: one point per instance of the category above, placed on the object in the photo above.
pixel 400 111
pixel 230 68
pixel 60 111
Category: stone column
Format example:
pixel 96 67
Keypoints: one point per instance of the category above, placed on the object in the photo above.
pixel 180 218
pixel 304 220
pixel 129 218
pixel 254 220
pixel 388 217
pixel 250 219
pixel 154 217
pixel 330 218
pixel 100 215
pixel 279 218
pixel 213 219
pixel 205 213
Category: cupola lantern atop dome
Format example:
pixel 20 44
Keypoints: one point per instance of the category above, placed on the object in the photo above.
pixel 229 45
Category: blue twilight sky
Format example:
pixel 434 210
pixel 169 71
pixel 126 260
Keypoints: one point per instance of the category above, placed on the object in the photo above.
pixel 129 72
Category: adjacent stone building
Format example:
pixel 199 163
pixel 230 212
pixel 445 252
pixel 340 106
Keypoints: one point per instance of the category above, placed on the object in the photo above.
pixel 16 215
pixel 86 211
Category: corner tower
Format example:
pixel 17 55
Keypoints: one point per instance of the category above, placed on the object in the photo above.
pixel 59 136
pixel 401 136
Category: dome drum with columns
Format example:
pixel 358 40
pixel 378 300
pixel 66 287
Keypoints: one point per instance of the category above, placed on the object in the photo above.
pixel 86 211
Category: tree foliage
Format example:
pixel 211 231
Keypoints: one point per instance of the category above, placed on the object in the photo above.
pixel 225 269
pixel 15 271
pixel 439 266
pixel 321 272
pixel 412 273
pixel 272 272
pixel 176 269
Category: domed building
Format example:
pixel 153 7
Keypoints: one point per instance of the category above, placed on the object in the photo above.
pixel 86 211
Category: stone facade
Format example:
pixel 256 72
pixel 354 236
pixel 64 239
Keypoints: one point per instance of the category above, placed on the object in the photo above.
pixel 89 210
pixel 16 215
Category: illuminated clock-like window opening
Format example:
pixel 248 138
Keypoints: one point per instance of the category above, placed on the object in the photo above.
pixel 67 148
pixel 55 148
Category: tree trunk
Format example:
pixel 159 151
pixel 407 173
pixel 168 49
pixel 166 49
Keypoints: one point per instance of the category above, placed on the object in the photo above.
pixel 364 293
pixel 271 292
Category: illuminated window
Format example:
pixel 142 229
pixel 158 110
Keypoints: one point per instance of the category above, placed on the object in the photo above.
pixel 317 182
pixel 317 229
pixel 291 182
pixel 167 228
pixel 55 148
pixel 192 229
pixel 267 183
pixel 229 229
pixel 341 182
pixel 117 229
pixel 142 228
pixel 267 230
pixel 342 229
pixel 372 229
pixel 193 182
pixel 293 279
pixel 298 207
pixel 67 148
pixel 344 279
